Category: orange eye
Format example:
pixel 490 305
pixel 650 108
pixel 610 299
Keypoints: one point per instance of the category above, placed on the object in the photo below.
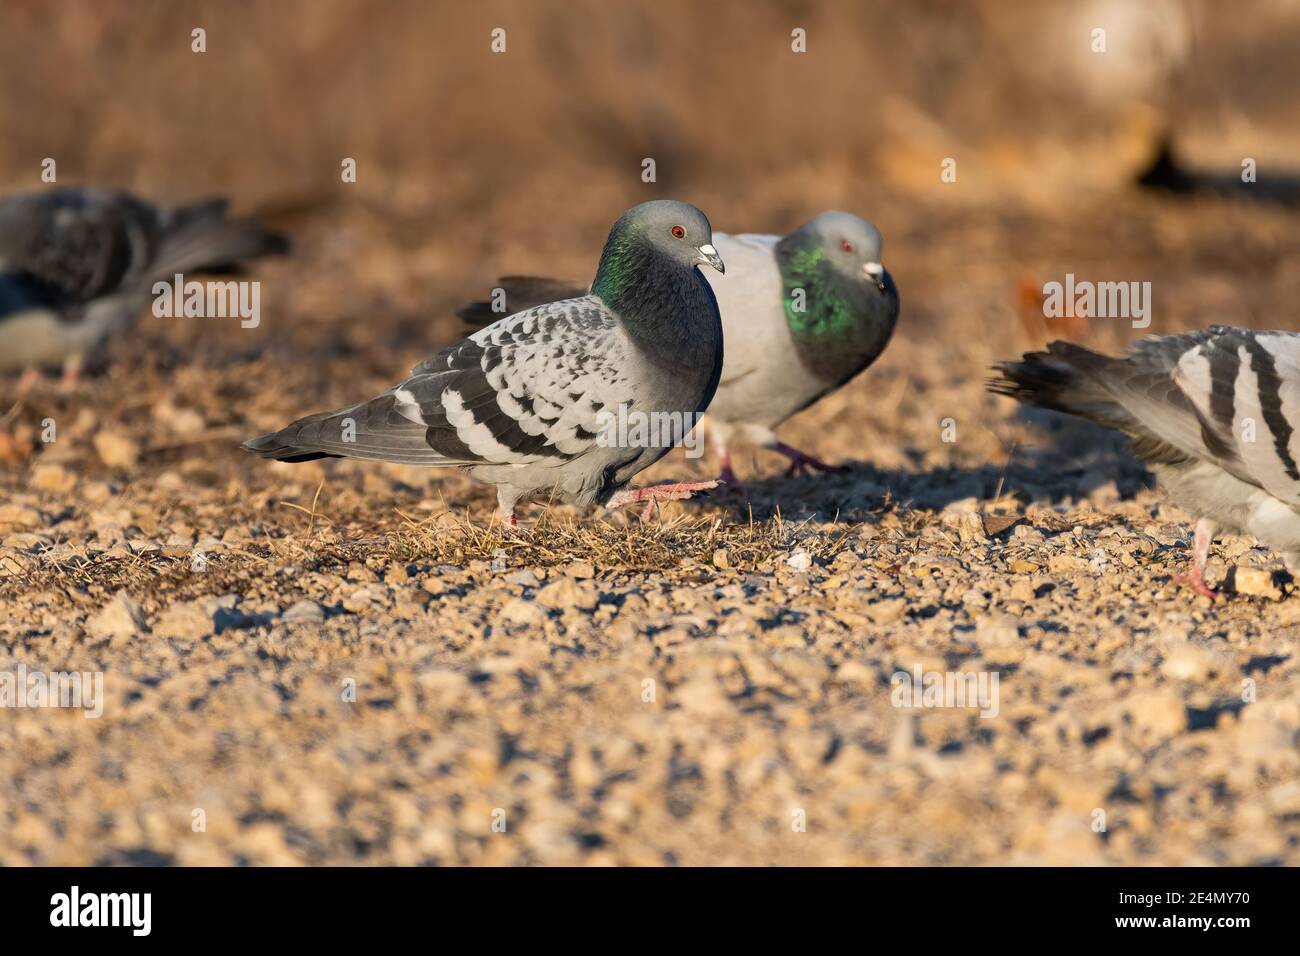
pixel 846 245
pixel 679 232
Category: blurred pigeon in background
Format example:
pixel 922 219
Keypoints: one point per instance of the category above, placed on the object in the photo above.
pixel 527 403
pixel 77 266
pixel 1212 413
pixel 802 314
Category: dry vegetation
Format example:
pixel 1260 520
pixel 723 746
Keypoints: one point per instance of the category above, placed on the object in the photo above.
pixel 508 671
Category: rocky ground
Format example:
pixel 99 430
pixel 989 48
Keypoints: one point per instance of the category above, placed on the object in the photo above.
pixel 343 663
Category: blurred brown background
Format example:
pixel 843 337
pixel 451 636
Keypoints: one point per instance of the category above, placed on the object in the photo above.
pixel 472 163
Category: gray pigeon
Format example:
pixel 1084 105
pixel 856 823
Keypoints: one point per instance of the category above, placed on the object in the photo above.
pixel 1213 413
pixel 535 403
pixel 803 314
pixel 77 266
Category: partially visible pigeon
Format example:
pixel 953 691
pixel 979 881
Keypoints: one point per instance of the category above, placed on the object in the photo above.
pixel 77 266
pixel 802 313
pixel 531 403
pixel 1213 413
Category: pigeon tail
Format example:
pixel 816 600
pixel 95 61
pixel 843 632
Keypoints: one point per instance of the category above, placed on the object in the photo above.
pixel 373 431
pixel 200 238
pixel 1066 378
pixel 520 293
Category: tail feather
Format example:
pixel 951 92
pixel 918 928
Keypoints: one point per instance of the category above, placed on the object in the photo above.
pixel 520 293
pixel 1066 378
pixel 1135 397
pixel 373 431
pixel 200 238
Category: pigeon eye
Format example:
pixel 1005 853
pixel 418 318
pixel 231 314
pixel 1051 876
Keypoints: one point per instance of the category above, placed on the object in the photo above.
pixel 679 232
pixel 846 245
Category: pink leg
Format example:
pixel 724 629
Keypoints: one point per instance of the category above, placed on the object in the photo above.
pixel 728 475
pixel 28 381
pixel 72 371
pixel 1200 553
pixel 801 461
pixel 675 491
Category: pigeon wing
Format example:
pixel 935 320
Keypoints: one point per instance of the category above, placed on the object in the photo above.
pixel 529 388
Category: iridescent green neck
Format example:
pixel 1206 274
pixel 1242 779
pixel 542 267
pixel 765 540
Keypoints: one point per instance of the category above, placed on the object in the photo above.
pixel 666 305
pixel 819 304
pixel 838 324
pixel 621 263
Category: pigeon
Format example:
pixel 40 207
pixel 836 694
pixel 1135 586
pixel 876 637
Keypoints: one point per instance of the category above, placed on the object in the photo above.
pixel 77 266
pixel 532 403
pixel 1213 413
pixel 803 314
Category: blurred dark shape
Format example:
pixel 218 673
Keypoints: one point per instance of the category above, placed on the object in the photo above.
pixel 521 292
pixel 1167 173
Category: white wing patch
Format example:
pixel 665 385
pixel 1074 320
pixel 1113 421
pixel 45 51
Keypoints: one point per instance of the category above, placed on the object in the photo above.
pixel 478 438
pixel 406 406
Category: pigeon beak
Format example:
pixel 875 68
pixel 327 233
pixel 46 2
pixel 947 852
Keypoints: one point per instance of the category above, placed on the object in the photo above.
pixel 710 255
pixel 876 273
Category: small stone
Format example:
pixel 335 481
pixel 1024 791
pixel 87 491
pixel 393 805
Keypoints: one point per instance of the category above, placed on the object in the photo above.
pixel 53 478
pixel 997 630
pixel 799 561
pixel 363 598
pixel 18 518
pixel 1021 566
pixel 567 593
pixel 116 450
pixel 1255 582
pixel 996 524
pixel 1022 591
pixel 524 579
pixel 581 569
pixel 187 620
pixel 721 559
pixel 1027 535
pixel 971 528
pixel 304 612
pixel 1186 662
pixel 120 618
pixel 1159 712
pixel 519 611
pixel 887 611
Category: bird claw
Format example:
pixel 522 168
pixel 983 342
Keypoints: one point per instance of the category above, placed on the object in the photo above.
pixel 801 464
pixel 674 491
pixel 727 476
pixel 1196 582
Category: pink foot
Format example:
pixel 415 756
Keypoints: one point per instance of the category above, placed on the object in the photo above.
pixel 728 477
pixel 676 491
pixel 28 381
pixel 801 461
pixel 1196 581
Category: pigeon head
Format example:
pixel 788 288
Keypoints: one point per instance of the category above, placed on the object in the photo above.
pixel 659 231
pixel 851 246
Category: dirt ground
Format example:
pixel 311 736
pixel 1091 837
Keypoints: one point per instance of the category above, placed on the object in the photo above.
pixel 346 663
pixel 714 687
